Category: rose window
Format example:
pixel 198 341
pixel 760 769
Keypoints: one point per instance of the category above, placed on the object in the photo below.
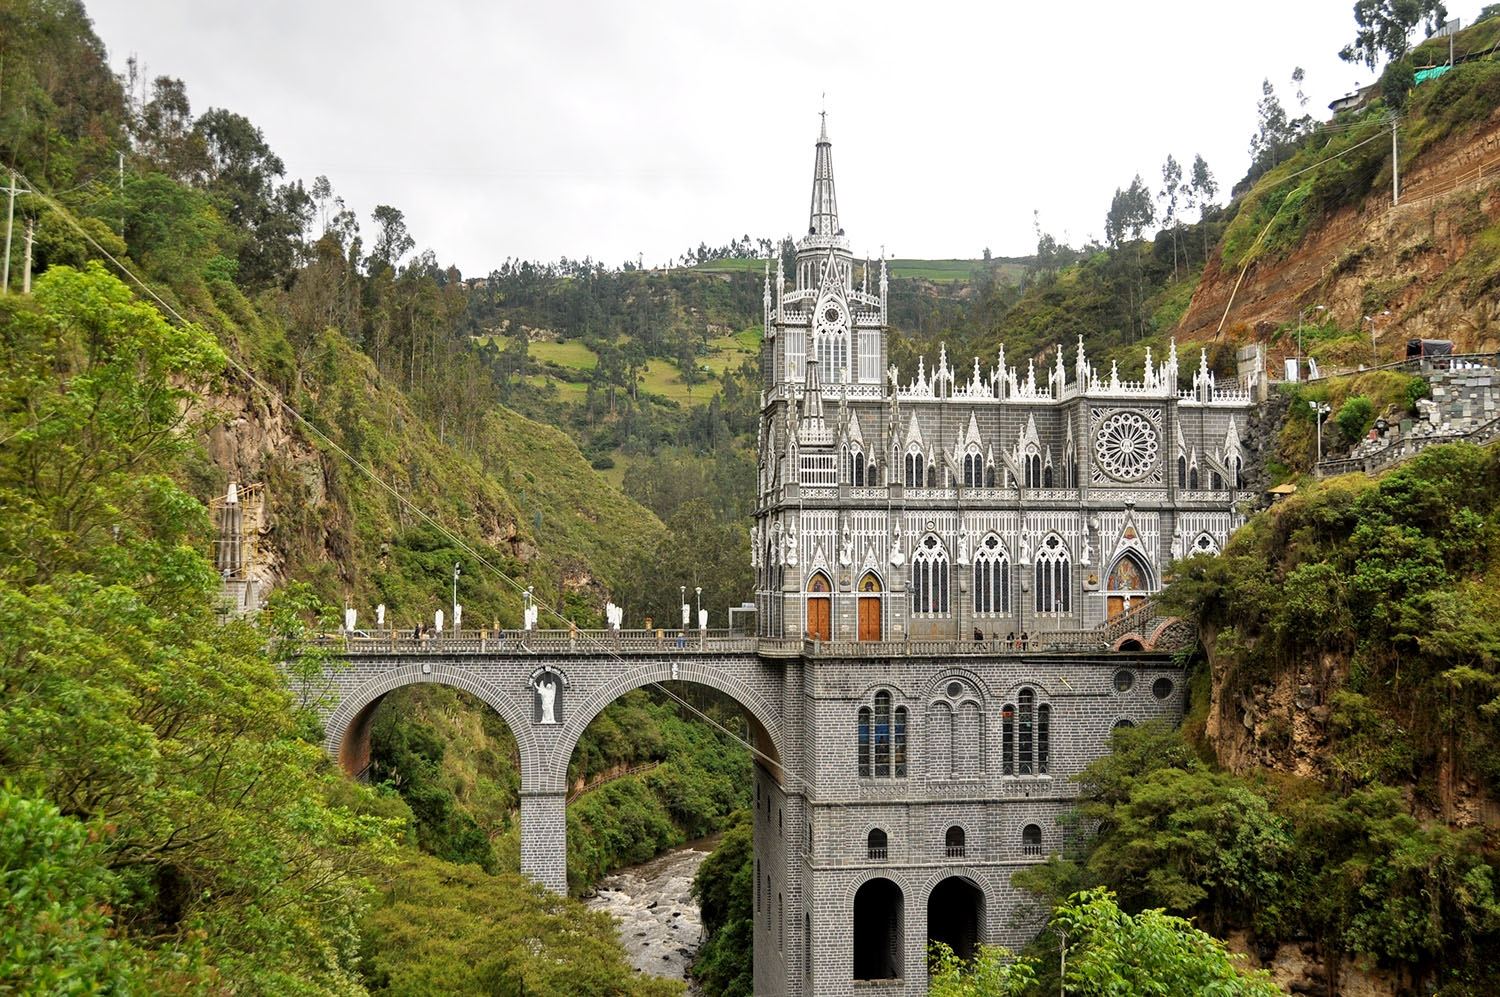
pixel 1126 446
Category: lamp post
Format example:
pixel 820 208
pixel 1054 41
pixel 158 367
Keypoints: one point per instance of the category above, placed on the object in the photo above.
pixel 1300 316
pixel 455 593
pixel 683 589
pixel 526 615
pixel 1320 409
pixel 1374 355
pixel 698 600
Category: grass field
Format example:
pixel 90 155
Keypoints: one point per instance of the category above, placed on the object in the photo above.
pixel 567 391
pixel 568 353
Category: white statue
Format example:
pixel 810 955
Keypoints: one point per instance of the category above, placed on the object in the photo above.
pixel 963 548
pixel 380 616
pixel 1025 549
pixel 1088 552
pixel 546 690
pixel 1177 542
pixel 846 548
pixel 791 546
pixel 897 557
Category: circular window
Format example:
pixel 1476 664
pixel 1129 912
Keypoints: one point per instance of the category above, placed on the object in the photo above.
pixel 831 316
pixel 1126 446
pixel 1124 680
pixel 955 689
pixel 1162 688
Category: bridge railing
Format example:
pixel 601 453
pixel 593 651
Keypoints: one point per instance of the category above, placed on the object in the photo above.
pixel 521 642
pixel 537 641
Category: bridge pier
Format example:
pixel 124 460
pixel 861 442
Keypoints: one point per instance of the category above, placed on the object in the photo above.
pixel 544 838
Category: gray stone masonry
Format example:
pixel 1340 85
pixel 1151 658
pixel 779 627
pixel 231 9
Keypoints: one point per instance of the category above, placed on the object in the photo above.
pixel 914 748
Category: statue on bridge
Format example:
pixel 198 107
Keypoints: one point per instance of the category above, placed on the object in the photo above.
pixel 546 698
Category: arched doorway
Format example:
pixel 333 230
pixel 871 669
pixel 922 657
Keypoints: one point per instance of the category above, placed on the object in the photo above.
pixel 819 607
pixel 879 930
pixel 955 916
pixel 870 600
pixel 1128 583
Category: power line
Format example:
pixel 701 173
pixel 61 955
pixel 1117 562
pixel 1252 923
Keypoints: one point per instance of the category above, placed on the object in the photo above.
pixel 277 398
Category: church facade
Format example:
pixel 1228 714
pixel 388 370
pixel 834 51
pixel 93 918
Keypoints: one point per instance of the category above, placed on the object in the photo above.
pixel 967 499
pixel 909 529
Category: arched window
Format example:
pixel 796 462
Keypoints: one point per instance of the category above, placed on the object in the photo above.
pixel 929 576
pixel 1205 544
pixel 1128 575
pixel 882 739
pixel 1026 703
pixel 876 845
pixel 1193 476
pixel 1072 472
pixel 1215 480
pixel 1008 739
pixel 1181 471
pixel 1043 736
pixel 989 476
pixel 953 842
pixel 856 467
pixel 973 470
pixel 932 474
pixel 1031 840
pixel 1237 466
pixel 916 469
pixel 991 577
pixel 1047 476
pixel 1054 577
pixel 864 742
pixel 833 356
pixel 1033 464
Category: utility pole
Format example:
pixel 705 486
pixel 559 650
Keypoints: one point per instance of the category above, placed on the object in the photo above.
pixel 121 155
pixel 1320 409
pixel 26 276
pixel 10 218
pixel 1395 164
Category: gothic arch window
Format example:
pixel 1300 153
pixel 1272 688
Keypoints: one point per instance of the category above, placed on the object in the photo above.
pixel 1054 577
pixel 1025 732
pixel 929 577
pixel 1047 470
pixel 1237 468
pixel 1031 840
pixel 1025 735
pixel 973 468
pixel 932 474
pixel 1182 477
pixel 989 476
pixel 1193 476
pixel 1215 480
pixel 877 845
pixel 1032 462
pixel 881 739
pixel 857 467
pixel 1205 544
pixel 953 842
pixel 916 468
pixel 991 577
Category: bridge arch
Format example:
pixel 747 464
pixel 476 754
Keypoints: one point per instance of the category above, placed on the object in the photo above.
pixel 347 730
pixel 765 722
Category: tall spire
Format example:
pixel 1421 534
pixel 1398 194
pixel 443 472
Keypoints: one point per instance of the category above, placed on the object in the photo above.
pixel 823 218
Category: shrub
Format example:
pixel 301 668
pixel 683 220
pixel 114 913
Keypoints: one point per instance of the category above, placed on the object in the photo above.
pixel 1355 418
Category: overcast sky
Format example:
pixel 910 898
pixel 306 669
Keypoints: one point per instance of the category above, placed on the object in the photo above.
pixel 611 129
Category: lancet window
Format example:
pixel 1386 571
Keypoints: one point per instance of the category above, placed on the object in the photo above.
pixel 929 576
pixel 991 577
pixel 916 468
pixel 1054 577
pixel 1025 735
pixel 882 739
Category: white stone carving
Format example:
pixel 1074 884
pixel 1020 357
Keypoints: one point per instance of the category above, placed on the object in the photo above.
pixel 1126 446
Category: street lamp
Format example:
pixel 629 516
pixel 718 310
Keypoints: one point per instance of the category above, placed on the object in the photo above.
pixel 1320 409
pixel 1374 355
pixel 1302 315
pixel 698 600
pixel 683 590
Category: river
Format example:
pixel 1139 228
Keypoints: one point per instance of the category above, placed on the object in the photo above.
pixel 652 904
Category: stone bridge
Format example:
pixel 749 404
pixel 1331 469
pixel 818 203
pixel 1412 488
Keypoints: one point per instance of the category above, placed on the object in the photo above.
pixel 548 686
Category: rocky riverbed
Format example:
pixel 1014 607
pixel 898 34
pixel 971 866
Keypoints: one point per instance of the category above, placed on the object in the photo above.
pixel 659 923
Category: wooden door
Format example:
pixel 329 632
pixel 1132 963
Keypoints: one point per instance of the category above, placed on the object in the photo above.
pixel 1116 605
pixel 820 618
pixel 869 618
